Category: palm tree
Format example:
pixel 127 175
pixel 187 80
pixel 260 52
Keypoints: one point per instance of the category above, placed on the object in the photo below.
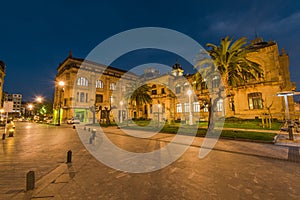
pixel 228 60
pixel 138 94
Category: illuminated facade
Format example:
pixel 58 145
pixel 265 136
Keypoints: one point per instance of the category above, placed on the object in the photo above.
pixel 97 86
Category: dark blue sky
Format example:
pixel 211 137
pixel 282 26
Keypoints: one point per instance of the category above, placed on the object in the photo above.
pixel 37 35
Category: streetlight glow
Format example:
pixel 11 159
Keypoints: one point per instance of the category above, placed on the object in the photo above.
pixel 39 99
pixel 61 83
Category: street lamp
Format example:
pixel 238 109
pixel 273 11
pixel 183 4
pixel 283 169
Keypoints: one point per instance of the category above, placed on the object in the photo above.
pixel 285 94
pixel 61 84
pixel 189 92
pixel 121 113
pixel 39 99
pixel 30 107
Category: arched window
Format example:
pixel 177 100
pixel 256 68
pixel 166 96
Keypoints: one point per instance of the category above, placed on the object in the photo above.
pixel 112 86
pixel 177 89
pixel 99 84
pixel 82 81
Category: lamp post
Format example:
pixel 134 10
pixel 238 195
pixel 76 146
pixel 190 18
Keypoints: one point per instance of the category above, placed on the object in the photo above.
pixel 121 112
pixel 61 84
pixel 158 109
pixel 285 94
pixel 30 107
pixel 189 92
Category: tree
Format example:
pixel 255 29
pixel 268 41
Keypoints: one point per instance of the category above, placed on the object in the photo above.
pixel 138 94
pixel 227 62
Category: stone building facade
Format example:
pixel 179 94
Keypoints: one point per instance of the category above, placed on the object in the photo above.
pixel 88 87
pixel 97 85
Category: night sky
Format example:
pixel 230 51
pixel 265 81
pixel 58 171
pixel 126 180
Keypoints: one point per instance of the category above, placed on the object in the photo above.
pixel 37 35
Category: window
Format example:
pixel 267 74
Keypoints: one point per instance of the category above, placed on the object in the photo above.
pixel 231 104
pixel 99 98
pixel 163 91
pixel 81 81
pixel 186 86
pixel 154 91
pixel 86 97
pixel 81 97
pixel 203 86
pixel 196 106
pixel 177 89
pixel 255 100
pixel 123 88
pixel 216 82
pixel 111 99
pixel 99 84
pixel 112 86
pixel 186 107
pixel 179 108
pixel 220 105
pixel 205 108
pixel 151 108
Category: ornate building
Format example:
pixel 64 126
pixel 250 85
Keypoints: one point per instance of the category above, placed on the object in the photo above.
pixel 87 87
pixel 90 85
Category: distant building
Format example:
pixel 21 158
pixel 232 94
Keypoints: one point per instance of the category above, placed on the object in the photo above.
pixel 2 74
pixel 17 102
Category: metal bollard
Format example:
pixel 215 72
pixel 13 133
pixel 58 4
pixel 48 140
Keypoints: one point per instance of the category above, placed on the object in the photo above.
pixel 94 133
pixel 89 129
pixel 91 140
pixel 3 136
pixel 30 180
pixel 69 156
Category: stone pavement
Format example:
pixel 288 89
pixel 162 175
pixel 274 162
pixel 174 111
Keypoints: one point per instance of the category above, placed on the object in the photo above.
pixel 233 170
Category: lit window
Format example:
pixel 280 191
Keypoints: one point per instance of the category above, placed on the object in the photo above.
pixel 81 81
pixel 177 89
pixel 186 107
pixel 186 86
pixel 112 86
pixel 255 100
pixel 179 108
pixel 196 106
pixel 220 105
pixel 216 82
pixel 99 84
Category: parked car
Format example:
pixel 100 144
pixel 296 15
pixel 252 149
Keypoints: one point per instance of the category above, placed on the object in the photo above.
pixel 73 120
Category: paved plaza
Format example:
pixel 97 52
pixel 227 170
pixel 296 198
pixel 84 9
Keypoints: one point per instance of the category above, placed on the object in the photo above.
pixel 232 170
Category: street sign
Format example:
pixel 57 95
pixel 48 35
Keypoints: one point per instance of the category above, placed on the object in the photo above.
pixel 8 106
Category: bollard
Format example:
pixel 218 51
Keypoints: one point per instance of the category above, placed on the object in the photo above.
pixel 89 129
pixel 69 156
pixel 30 180
pixel 84 128
pixel 94 133
pixel 91 140
pixel 3 136
pixel 74 126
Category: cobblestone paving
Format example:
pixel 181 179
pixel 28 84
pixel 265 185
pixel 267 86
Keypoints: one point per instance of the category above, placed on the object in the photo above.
pixel 235 170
